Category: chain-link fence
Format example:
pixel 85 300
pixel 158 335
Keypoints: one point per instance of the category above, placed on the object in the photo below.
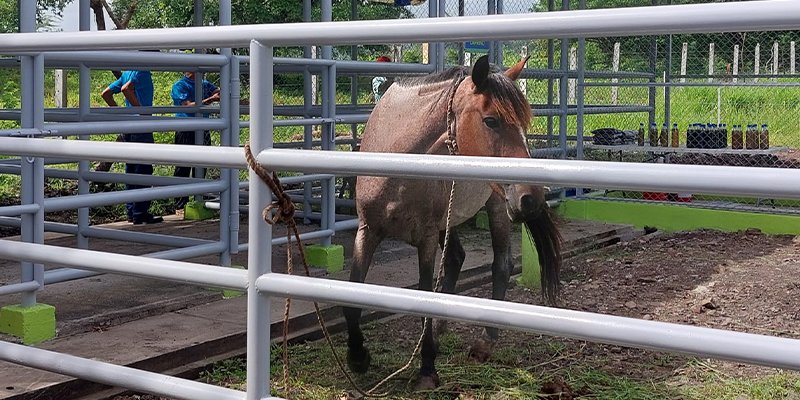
pixel 711 99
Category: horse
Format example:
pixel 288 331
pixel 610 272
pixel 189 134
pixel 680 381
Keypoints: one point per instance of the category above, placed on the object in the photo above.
pixel 480 112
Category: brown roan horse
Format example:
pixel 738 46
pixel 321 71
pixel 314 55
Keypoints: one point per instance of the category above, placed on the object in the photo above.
pixel 489 117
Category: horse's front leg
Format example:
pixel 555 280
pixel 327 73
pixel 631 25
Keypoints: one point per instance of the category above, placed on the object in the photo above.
pixel 453 260
pixel 428 378
pixel 366 242
pixel 500 228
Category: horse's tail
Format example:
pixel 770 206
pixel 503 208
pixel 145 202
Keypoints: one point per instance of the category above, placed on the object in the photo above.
pixel 544 230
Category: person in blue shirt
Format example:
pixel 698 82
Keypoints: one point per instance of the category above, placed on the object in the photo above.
pixel 137 87
pixel 183 94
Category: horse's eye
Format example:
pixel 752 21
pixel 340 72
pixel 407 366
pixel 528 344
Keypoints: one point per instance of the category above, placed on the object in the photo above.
pixel 491 122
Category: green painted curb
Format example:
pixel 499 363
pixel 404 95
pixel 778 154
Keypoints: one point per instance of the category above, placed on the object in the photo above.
pixel 531 270
pixel 671 218
pixel 482 220
pixel 196 211
pixel 33 324
pixel 329 257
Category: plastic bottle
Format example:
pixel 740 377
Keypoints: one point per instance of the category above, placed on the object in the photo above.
pixel 751 137
pixel 640 137
pixel 663 139
pixel 763 138
pixel 675 136
pixel 737 137
pixel 653 136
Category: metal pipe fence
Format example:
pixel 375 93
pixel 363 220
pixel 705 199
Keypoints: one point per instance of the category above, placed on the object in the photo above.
pixel 258 280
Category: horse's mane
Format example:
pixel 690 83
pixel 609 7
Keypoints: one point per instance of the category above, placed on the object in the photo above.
pixel 505 95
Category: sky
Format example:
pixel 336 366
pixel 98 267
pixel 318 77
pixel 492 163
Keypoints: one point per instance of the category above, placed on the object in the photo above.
pixel 69 23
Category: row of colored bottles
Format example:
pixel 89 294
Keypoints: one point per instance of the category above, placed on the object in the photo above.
pixel 752 138
pixel 656 138
pixel 706 136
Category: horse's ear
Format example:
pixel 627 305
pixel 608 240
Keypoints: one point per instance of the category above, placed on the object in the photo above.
pixel 514 71
pixel 480 71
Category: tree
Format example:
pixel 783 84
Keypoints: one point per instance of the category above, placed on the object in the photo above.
pixel 9 13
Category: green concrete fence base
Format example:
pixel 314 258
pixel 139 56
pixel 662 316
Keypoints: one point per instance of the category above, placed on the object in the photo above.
pixel 531 270
pixel 196 211
pixel 33 324
pixel 329 257
pixel 672 218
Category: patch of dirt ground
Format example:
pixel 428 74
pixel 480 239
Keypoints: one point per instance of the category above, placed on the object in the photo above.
pixel 744 281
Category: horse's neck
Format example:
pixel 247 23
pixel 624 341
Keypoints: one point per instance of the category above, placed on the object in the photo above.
pixel 410 119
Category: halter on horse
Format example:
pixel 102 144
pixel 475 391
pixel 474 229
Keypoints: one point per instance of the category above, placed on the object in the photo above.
pixel 479 113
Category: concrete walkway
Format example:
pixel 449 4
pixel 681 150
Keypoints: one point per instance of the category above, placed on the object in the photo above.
pixel 177 328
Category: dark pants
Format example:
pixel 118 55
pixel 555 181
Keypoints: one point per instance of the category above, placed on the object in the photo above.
pixel 138 211
pixel 187 137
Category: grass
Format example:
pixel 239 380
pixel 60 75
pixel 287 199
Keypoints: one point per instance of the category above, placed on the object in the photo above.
pixel 519 372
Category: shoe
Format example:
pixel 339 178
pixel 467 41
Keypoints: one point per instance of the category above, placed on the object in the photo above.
pixel 180 213
pixel 149 219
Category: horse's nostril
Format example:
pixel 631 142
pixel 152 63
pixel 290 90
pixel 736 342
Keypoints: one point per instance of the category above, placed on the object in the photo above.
pixel 527 202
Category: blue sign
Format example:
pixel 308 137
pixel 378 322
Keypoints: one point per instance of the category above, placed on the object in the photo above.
pixel 477 47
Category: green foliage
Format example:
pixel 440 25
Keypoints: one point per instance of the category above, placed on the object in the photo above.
pixel 9 13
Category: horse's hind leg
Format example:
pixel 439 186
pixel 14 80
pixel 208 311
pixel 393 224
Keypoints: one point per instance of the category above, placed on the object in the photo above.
pixel 500 228
pixel 453 260
pixel 366 242
pixel 428 378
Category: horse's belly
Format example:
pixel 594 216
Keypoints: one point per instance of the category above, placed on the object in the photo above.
pixel 468 200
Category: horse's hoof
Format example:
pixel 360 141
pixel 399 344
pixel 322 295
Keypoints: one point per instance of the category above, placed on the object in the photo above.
pixel 358 361
pixel 481 351
pixel 427 382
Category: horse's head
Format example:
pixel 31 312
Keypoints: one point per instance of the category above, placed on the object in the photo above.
pixel 492 117
pixel 491 113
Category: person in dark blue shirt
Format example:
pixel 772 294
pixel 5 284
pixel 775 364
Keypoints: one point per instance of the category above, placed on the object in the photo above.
pixel 137 87
pixel 183 94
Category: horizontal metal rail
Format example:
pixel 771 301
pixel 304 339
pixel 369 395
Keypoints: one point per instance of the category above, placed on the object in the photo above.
pixel 763 182
pixel 652 335
pixel 115 375
pixel 768 15
pixel 143 267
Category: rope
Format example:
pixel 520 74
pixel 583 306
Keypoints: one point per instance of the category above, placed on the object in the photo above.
pixel 285 214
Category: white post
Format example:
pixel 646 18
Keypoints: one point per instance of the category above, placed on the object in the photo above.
pixel 467 59
pixel 573 65
pixel 425 53
pixel 757 62
pixel 791 57
pixel 314 83
pixel 398 53
pixel 684 57
pixel 710 61
pixel 775 61
pixel 523 83
pixel 615 68
pixel 735 62
pixel 60 78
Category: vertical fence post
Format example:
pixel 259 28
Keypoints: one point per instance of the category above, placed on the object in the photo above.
pixel 711 62
pixel 60 88
pixel 775 64
pixel 791 57
pixel 467 59
pixel 735 62
pixel 615 68
pixel 757 62
pixel 684 57
pixel 573 65
pixel 259 255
